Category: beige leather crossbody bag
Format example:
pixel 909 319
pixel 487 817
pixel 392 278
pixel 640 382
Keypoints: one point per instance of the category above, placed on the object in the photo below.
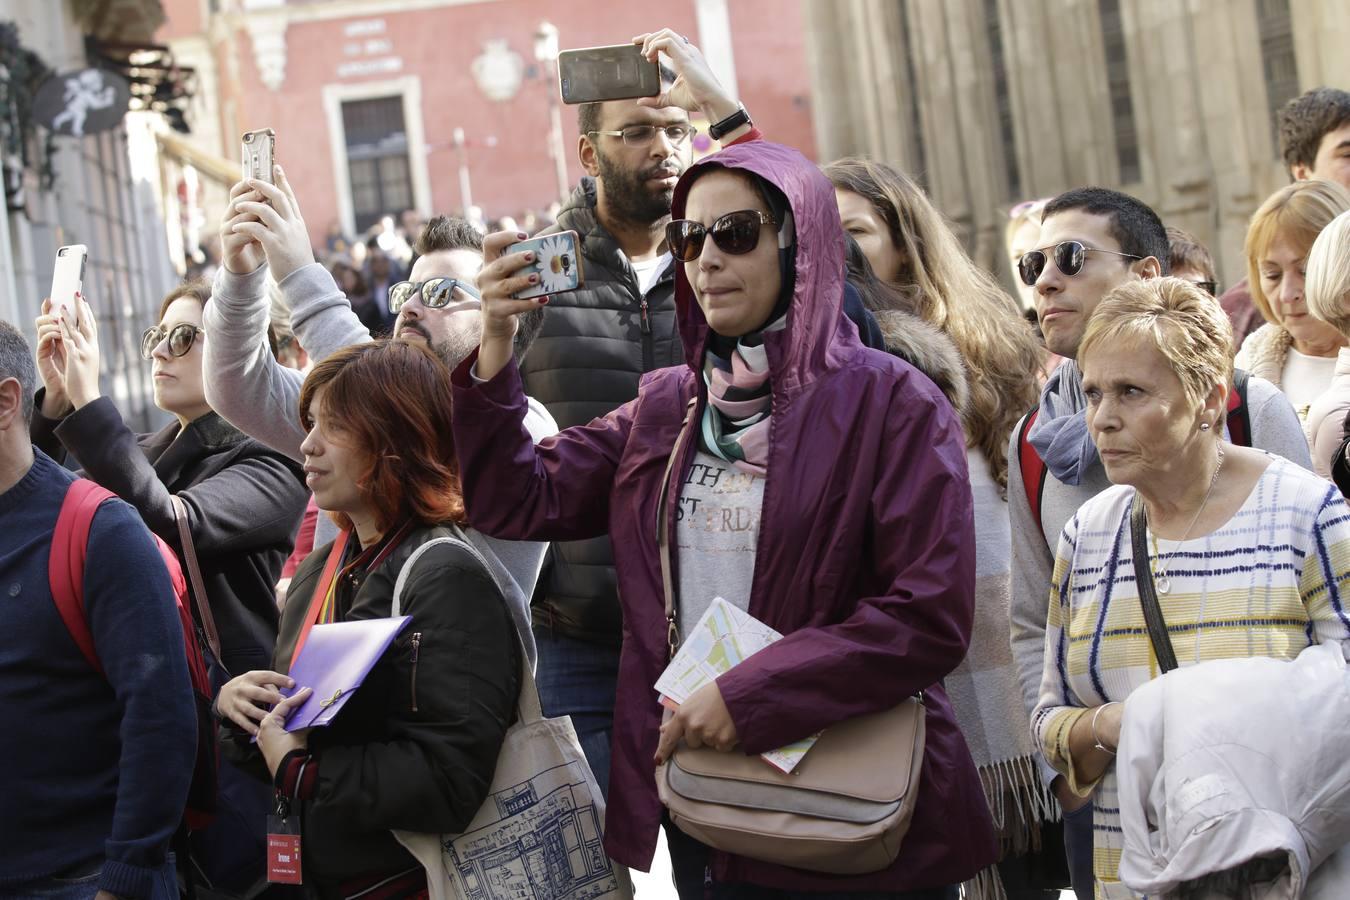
pixel 844 809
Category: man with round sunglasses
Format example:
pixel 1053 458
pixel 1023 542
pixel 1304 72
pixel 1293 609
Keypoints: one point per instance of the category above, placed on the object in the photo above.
pixel 1092 240
pixel 437 306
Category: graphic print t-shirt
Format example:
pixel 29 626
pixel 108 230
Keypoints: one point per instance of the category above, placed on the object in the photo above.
pixel 716 536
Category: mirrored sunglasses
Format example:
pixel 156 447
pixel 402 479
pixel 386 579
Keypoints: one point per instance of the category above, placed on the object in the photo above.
pixel 435 293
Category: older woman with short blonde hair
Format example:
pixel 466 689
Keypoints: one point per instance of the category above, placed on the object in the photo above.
pixel 1328 295
pixel 1246 550
pixel 1294 351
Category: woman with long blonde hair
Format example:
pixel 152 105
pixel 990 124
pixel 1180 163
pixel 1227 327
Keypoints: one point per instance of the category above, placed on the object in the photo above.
pixel 910 246
pixel 1294 350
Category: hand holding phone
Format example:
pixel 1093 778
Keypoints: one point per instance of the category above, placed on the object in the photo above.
pixel 696 88
pixel 513 282
pixel 67 281
pixel 595 74
pixel 557 262
pixel 259 154
pixel 67 356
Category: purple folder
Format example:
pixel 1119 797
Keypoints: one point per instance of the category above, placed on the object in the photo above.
pixel 334 662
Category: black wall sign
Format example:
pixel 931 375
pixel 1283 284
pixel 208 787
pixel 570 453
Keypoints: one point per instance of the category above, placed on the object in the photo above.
pixel 82 102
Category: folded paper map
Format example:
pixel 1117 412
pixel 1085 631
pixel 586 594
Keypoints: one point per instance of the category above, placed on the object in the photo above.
pixel 723 638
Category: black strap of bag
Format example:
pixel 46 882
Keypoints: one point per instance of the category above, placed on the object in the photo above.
pixel 1148 594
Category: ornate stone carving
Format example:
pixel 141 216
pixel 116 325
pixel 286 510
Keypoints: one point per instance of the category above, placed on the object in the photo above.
pixel 267 30
pixel 498 71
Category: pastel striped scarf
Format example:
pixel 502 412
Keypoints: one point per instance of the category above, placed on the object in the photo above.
pixel 740 402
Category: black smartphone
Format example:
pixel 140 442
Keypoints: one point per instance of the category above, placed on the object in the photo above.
pixel 619 72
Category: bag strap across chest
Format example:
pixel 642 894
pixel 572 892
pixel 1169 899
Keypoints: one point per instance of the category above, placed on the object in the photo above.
pixel 528 707
pixel 1148 594
pixel 663 529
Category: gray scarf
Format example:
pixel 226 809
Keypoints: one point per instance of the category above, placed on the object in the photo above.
pixel 1060 434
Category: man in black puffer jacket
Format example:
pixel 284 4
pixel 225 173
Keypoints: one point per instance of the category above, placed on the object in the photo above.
pixel 595 345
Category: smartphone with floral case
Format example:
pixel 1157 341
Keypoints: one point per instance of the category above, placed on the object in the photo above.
pixel 557 262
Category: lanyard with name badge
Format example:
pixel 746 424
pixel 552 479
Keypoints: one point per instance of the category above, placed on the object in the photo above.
pixel 283 844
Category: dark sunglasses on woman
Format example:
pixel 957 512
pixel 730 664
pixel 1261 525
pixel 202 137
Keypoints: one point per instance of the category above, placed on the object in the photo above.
pixel 181 338
pixel 1069 259
pixel 735 233
pixel 435 293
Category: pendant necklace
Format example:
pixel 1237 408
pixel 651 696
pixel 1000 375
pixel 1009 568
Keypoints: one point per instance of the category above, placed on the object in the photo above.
pixel 1160 579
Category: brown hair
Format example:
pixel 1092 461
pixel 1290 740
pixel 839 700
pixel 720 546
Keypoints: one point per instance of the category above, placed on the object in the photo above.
pixel 448 233
pixel 1298 211
pixel 1185 252
pixel 335 268
pixel 196 289
pixel 1308 118
pixel 389 401
pixel 997 344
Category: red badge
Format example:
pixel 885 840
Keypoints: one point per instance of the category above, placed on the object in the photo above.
pixel 283 851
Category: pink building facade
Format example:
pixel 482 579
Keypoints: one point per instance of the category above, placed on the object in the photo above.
pixel 382 106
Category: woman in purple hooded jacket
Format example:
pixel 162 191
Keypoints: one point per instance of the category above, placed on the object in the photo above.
pixel 827 494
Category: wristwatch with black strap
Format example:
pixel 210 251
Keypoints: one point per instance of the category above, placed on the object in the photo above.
pixel 729 124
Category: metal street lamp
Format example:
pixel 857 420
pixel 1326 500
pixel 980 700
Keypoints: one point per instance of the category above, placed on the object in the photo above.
pixel 546 54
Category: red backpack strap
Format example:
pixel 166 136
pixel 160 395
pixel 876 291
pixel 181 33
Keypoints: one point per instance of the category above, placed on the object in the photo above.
pixel 65 566
pixel 1239 417
pixel 1033 467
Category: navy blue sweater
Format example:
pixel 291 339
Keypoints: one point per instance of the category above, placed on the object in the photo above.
pixel 94 768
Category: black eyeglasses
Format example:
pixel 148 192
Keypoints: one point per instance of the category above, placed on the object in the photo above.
pixel 435 293
pixel 1209 287
pixel 642 135
pixel 735 233
pixel 181 338
pixel 1069 259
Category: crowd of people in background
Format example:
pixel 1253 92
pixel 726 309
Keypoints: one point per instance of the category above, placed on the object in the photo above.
pixel 781 385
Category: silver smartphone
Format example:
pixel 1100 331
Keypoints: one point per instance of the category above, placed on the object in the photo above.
pixel 259 154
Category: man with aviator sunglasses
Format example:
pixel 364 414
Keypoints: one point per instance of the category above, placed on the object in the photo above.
pixel 1092 241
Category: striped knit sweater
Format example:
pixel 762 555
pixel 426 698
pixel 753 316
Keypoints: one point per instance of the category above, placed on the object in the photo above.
pixel 1270 582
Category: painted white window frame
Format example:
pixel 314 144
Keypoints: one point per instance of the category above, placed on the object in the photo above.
pixel 410 89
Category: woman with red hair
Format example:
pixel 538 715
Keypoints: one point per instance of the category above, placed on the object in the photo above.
pixel 416 746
